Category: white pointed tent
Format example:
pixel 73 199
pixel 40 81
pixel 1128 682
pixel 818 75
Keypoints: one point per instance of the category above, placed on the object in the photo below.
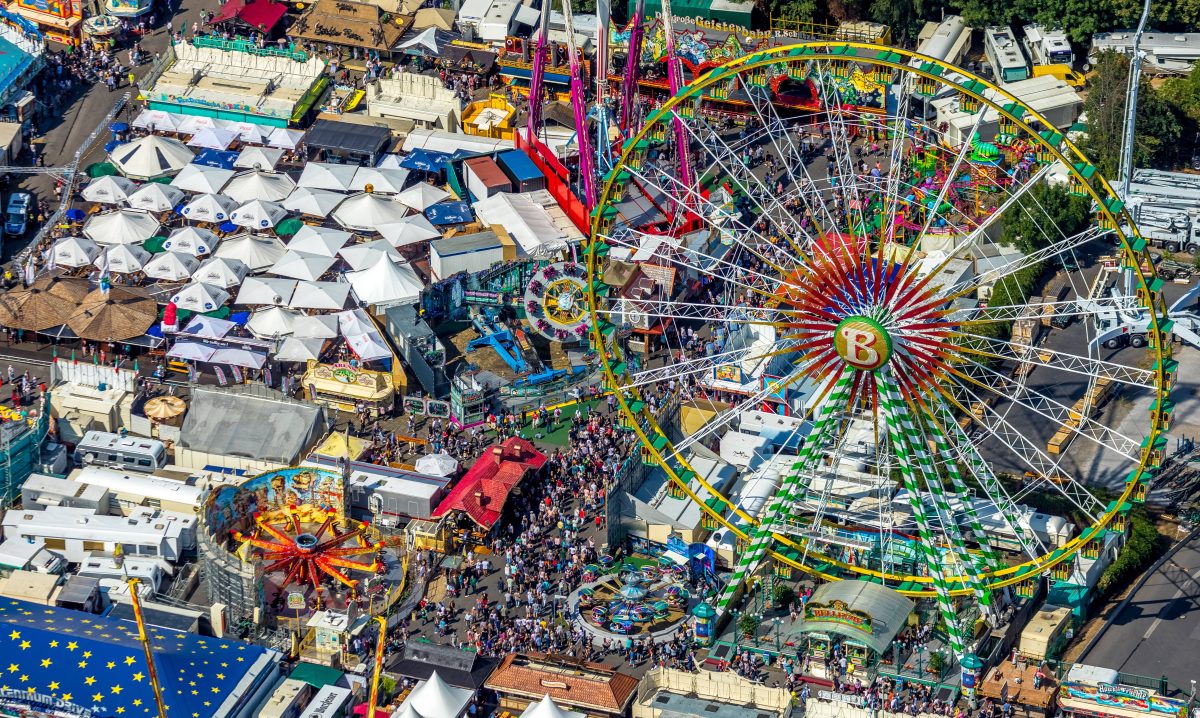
pixel 362 256
pixel 110 189
pixel 171 266
pixel 434 698
pixel 151 156
pixel 222 272
pixel 256 251
pixel 299 350
pixel 210 208
pixel 258 214
pixel 213 138
pixel 422 196
pixel 155 197
pixel 202 179
pixel 386 284
pixel 157 121
pixel 320 295
pixel 74 252
pixel 249 132
pixel 319 240
pixel 124 226
pixel 409 230
pixel 192 240
pixel 260 158
pixel 272 323
pixel 384 181
pixel 265 291
pixel 285 138
pixel 257 184
pixel 123 259
pixel 299 265
pixel 317 326
pixel 313 202
pixel 547 708
pixel 323 175
pixel 364 212
pixel 198 297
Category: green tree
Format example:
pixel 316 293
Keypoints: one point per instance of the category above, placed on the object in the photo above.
pixel 905 17
pixel 801 10
pixel 1158 128
pixel 1043 215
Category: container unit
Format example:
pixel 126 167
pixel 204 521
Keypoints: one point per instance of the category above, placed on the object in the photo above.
pixel 485 178
pixel 525 175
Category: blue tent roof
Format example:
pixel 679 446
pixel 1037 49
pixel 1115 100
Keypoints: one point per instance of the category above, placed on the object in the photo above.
pixel 424 160
pixel 216 158
pixel 449 213
pixel 98 664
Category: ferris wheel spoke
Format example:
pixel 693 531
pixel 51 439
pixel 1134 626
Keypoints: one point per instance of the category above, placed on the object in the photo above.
pixel 1036 356
pixel 1063 416
pixel 699 365
pixel 793 158
pixel 1068 308
pixel 731 313
pixel 839 132
pixel 935 210
pixel 892 183
pixel 955 446
pixel 1027 261
pixel 1015 441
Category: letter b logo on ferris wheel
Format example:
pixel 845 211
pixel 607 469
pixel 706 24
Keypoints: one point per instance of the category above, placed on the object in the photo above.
pixel 862 342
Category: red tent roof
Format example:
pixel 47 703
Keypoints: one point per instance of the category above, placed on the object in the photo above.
pixel 482 491
pixel 261 14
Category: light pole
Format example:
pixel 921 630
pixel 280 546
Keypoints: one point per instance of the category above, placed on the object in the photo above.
pixel 777 646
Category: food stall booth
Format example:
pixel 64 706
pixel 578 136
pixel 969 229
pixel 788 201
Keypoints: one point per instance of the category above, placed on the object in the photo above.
pixel 862 616
pixel 1094 692
pixel 345 387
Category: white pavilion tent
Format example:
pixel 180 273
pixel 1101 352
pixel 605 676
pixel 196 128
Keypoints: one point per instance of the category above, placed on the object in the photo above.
pixel 364 212
pixel 268 291
pixel 320 295
pixel 272 323
pixel 313 202
pixel 123 226
pixel 74 252
pixel 258 214
pixel 202 179
pixel 422 196
pixel 435 698
pixel 155 197
pixel 324 175
pixel 222 272
pixel 257 184
pixel 192 240
pixel 258 158
pixel 257 251
pixel 298 265
pixel 150 157
pixel 410 230
pixel 210 208
pixel 111 189
pixel 386 284
pixel 383 181
pixel 171 266
pixel 319 240
pixel 123 259
pixel 199 297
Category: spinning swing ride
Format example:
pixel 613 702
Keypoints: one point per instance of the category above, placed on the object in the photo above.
pixel 834 263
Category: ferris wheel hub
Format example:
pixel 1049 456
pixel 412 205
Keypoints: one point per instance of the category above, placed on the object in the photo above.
pixel 862 342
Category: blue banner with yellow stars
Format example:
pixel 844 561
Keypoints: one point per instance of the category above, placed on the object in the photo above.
pixel 94 666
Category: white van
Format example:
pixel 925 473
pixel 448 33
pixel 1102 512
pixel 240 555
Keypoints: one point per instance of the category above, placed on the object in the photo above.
pixel 131 453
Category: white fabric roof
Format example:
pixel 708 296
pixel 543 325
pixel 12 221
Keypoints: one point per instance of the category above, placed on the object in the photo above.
pixel 320 326
pixel 362 335
pixel 299 265
pixel 272 322
pixel 285 138
pixel 320 295
pixel 202 179
pixel 198 297
pixel 123 259
pixel 547 708
pixel 124 226
pixel 364 212
pixel 384 181
pixel 299 350
pixel 210 327
pixel 191 124
pixel 157 120
pixel 386 283
pixel 249 132
pixel 155 197
pixel 110 189
pixel 410 230
pixel 257 184
pixel 74 252
pixel 435 698
pixel 238 357
pixel 318 240
pixel 362 256
pixel 193 351
pixel 265 290
pixel 213 138
pixel 171 266
pixel 223 272
pixel 258 252
pixel 263 158
pixel 313 202
pixel 324 175
pixel 209 208
pixel 192 240
pixel 258 214
pixel 449 142
pixel 151 156
pixel 525 221
pixel 421 196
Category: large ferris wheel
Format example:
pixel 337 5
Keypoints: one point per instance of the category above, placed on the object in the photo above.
pixel 802 243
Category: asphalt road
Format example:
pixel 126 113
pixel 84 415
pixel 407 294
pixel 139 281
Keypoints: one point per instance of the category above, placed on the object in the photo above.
pixel 1158 632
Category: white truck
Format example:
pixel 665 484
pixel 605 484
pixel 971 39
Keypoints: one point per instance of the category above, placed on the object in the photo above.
pixel 1121 323
pixel 1167 226
pixel 1048 47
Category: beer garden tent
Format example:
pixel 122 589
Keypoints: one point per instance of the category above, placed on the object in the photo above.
pixel 123 259
pixel 150 157
pixel 213 139
pixel 386 284
pixel 885 609
pixel 364 212
pixel 262 158
pixel 299 350
pixel 317 326
pixel 193 240
pixel 383 181
pixel 259 185
pixel 409 230
pixel 324 175
pixel 124 226
pixel 284 138
pixel 363 256
pixel 110 189
pixel 272 323
pixel 199 297
pixel 157 121
pixel 222 272
pixel 74 252
pixel 258 214
pixel 324 241
pixel 313 202
pixel 191 124
pixel 319 295
pixel 422 196
pixel 258 252
pixel 209 208
pixel 250 132
pixel 202 179
pixel 155 197
pixel 171 266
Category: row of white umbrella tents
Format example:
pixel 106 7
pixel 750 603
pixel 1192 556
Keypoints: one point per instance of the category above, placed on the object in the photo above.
pixel 249 132
pixel 293 293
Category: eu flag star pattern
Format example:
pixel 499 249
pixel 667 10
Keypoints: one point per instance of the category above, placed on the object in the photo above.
pixel 98 663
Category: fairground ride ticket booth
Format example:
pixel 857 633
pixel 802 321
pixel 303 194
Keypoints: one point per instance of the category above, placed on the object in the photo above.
pixel 860 616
